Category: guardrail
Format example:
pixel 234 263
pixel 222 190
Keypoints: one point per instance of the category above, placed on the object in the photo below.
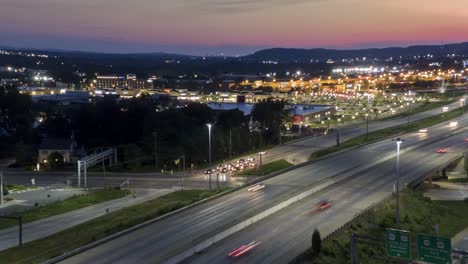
pixel 430 173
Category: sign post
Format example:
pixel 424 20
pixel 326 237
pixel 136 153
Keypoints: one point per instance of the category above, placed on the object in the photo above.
pixel 398 243
pixel 436 250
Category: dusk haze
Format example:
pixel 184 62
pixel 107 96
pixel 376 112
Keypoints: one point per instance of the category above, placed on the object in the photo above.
pixel 232 27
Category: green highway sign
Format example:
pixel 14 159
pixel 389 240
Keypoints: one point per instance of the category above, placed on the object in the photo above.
pixel 398 243
pixel 436 250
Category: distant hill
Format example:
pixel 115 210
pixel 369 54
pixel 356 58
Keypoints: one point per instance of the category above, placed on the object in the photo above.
pixel 306 55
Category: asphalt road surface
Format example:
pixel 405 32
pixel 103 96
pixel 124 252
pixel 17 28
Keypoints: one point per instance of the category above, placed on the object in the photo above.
pixel 287 233
pixel 370 168
pixel 299 151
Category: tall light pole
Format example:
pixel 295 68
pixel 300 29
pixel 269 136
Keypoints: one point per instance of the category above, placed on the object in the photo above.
pixel 367 126
pixel 1 188
pixel 398 143
pixel 230 144
pixel 155 135
pixel 209 153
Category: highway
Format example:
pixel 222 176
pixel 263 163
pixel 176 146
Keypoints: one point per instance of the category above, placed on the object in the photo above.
pixel 372 164
pixel 299 151
pixel 286 234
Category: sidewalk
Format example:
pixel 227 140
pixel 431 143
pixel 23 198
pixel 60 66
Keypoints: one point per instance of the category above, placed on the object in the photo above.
pixel 460 240
pixel 24 200
pixel 48 226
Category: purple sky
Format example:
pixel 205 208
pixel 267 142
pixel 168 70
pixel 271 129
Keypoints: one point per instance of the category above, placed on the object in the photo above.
pixel 232 27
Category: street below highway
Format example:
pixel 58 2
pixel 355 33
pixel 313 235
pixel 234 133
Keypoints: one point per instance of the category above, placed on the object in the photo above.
pixel 295 152
pixel 367 173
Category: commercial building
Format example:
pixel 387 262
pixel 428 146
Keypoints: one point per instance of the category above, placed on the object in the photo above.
pixel 130 82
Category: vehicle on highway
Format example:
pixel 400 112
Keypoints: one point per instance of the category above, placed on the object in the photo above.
pixel 208 171
pixel 442 150
pixel 454 123
pixel 424 130
pixel 257 187
pixel 321 206
pixel 243 249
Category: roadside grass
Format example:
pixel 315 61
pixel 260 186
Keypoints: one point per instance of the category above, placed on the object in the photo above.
pixel 428 106
pixel 16 187
pixel 459 180
pixel 43 249
pixel 418 215
pixel 67 205
pixel 268 168
pixel 387 132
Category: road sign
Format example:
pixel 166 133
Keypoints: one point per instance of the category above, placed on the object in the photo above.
pixel 398 243
pixel 437 250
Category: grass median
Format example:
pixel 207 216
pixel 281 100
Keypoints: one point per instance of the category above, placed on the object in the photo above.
pixel 268 168
pixel 67 205
pixel 43 249
pixel 418 215
pixel 391 131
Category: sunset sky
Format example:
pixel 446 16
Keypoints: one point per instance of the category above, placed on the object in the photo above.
pixel 232 27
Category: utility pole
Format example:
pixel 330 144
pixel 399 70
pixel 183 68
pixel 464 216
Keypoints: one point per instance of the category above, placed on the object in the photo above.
pixel 230 144
pixel 367 127
pixel 155 136
pixel 337 137
pixel 183 174
pixel 280 135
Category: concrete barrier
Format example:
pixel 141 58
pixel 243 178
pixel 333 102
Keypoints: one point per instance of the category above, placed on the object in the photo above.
pixel 236 228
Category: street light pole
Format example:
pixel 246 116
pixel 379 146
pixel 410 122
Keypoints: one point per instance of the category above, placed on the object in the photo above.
pixel 230 144
pixel 209 153
pixel 367 126
pixel 398 142
pixel 155 135
pixel 1 188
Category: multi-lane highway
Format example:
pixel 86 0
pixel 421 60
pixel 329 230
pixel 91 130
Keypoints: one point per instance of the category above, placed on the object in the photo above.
pixel 287 233
pixel 369 168
pixel 299 151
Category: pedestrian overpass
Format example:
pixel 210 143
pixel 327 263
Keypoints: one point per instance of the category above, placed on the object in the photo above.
pixel 99 156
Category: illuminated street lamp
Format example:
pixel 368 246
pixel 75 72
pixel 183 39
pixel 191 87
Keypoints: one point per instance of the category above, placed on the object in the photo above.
pixel 209 153
pixel 398 142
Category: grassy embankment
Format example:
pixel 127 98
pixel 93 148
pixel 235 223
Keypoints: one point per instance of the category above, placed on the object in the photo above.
pixel 67 240
pixel 418 215
pixel 67 205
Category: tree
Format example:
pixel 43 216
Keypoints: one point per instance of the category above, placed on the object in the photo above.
pixel 316 242
pixel 55 160
pixel 270 116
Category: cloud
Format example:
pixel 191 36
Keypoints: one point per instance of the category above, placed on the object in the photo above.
pixel 240 6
